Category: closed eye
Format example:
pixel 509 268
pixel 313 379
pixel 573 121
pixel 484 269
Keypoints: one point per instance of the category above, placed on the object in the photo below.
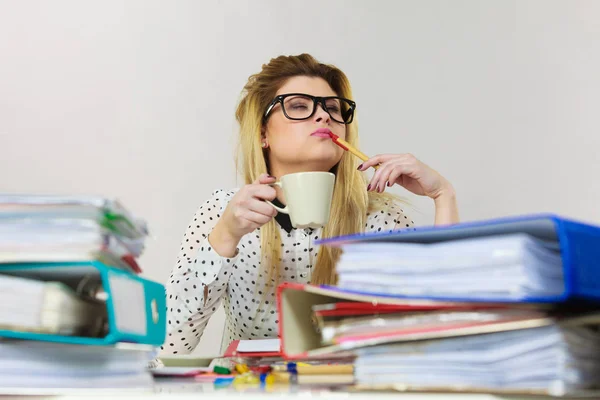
pixel 299 106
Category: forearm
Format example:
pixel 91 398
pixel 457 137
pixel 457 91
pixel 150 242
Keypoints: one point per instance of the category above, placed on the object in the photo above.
pixel 222 241
pixel 446 208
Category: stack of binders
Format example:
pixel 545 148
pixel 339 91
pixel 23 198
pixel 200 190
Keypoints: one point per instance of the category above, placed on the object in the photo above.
pixel 509 305
pixel 74 313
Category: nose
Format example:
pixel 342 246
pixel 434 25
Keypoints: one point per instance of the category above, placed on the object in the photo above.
pixel 320 114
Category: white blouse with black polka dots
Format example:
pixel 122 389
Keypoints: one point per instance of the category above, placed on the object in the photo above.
pixel 240 281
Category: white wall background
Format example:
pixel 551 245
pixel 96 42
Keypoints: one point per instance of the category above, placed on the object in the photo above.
pixel 135 99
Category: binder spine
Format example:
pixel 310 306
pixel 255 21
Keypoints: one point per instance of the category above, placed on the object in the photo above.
pixel 580 251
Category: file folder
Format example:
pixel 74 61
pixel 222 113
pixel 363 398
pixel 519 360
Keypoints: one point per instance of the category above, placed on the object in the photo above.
pixel 578 243
pixel 135 307
pixel 300 339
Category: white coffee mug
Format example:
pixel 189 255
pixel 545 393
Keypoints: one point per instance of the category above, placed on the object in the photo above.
pixel 308 196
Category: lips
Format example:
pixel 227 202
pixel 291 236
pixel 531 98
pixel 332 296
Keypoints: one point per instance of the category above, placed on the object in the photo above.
pixel 322 132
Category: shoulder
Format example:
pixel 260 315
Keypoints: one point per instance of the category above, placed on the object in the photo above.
pixel 388 215
pixel 211 208
pixel 219 199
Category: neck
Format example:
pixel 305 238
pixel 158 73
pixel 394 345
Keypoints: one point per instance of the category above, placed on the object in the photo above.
pixel 278 170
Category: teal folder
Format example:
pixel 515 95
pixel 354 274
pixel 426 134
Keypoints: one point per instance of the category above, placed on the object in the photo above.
pixel 135 307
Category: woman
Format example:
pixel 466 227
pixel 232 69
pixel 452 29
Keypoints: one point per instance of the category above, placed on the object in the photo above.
pixel 237 248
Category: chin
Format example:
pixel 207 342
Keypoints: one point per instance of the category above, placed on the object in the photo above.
pixel 322 159
pixel 323 164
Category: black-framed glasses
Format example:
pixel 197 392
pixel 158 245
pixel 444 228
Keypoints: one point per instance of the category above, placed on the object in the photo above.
pixel 299 106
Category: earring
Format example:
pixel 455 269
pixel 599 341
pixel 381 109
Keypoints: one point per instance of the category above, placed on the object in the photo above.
pixel 265 145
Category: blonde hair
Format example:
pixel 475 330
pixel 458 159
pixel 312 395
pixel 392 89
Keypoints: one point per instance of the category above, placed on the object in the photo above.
pixel 350 201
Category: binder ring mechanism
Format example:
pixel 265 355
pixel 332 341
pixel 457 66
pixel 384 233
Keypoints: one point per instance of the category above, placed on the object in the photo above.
pixel 91 289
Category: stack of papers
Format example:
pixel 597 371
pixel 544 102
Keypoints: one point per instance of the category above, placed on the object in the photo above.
pixel 35 228
pixel 338 327
pixel 110 213
pixel 553 360
pixel 517 308
pixel 507 267
pixel 30 305
pixel 52 293
pixel 31 364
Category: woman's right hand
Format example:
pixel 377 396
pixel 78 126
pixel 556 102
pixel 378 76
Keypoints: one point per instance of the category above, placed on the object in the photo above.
pixel 246 211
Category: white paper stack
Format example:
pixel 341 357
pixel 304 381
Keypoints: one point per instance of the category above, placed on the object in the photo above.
pixel 551 360
pixel 93 208
pixel 48 307
pixel 65 240
pixel 32 364
pixel 36 228
pixel 508 266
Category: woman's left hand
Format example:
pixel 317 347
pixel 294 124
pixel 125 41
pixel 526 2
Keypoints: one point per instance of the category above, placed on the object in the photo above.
pixel 407 171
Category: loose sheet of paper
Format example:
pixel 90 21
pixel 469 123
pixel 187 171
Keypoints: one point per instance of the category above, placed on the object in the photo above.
pixel 259 346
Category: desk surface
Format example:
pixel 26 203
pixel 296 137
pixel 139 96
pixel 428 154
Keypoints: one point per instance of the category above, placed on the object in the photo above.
pixel 188 389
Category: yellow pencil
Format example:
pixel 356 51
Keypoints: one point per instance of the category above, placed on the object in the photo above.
pixel 336 369
pixel 347 146
pixel 333 379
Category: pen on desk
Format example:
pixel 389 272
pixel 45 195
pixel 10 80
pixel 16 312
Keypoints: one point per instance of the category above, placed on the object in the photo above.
pixel 301 379
pixel 339 369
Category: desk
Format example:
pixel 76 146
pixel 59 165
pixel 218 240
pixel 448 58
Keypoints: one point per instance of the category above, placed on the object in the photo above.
pixel 184 389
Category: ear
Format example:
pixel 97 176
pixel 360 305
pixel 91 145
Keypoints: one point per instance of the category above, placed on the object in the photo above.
pixel 263 136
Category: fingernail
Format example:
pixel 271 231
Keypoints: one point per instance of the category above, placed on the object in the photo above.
pixel 359 167
pixel 369 187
